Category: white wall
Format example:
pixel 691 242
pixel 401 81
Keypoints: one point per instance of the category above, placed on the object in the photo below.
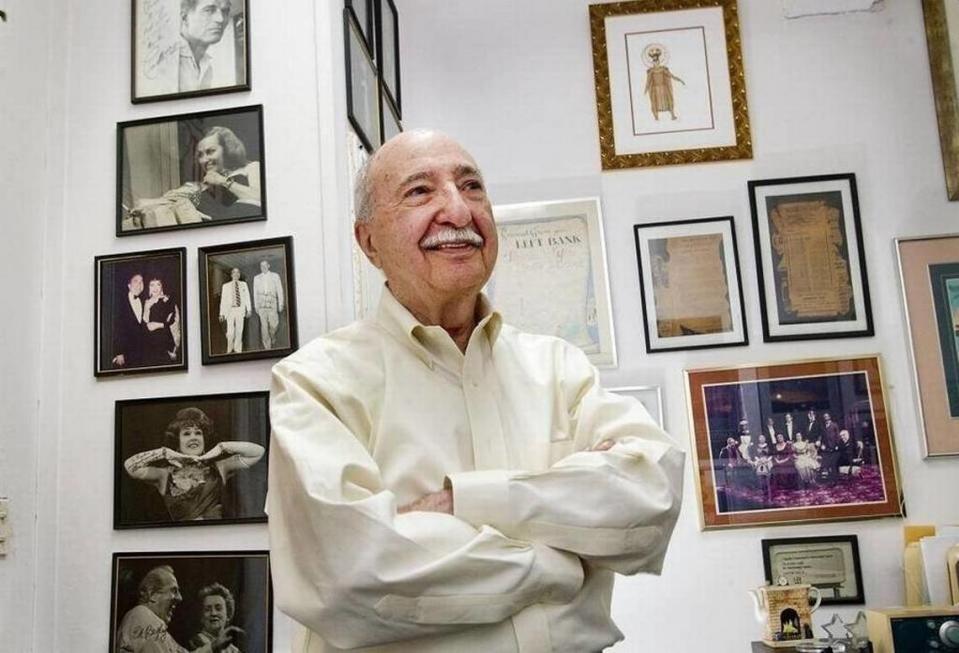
pixel 849 93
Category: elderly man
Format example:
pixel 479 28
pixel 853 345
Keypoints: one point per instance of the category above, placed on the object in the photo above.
pixel 268 303
pixel 202 23
pixel 439 481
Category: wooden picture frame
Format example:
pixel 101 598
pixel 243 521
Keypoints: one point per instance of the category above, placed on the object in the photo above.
pixel 690 284
pixel 164 45
pixel 830 563
pixel 154 487
pixel 670 85
pixel 266 294
pixel 191 170
pixel 816 473
pixel 940 23
pixel 129 288
pixel 810 258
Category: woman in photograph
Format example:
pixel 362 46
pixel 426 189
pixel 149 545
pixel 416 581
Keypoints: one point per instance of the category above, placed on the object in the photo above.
pixel 190 479
pixel 763 464
pixel 217 607
pixel 161 316
pixel 807 463
pixel 784 467
pixel 228 187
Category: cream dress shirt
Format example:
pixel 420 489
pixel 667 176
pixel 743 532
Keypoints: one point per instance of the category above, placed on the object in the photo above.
pixel 377 414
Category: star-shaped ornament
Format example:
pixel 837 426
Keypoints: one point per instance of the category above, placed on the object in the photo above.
pixel 836 629
pixel 858 630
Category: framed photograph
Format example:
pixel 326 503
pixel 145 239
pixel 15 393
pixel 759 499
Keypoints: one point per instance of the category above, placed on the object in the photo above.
pixel 140 320
pixel 247 300
pixel 551 276
pixel 187 49
pixel 650 396
pixel 810 259
pixel 831 457
pixel 166 601
pixel 362 84
pixel 191 461
pixel 670 87
pixel 389 116
pixel 940 19
pixel 191 170
pixel 828 563
pixel 929 272
pixel 364 12
pixel 690 284
pixel 388 50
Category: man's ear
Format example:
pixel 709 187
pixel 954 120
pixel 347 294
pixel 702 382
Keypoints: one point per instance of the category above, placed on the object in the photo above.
pixel 364 238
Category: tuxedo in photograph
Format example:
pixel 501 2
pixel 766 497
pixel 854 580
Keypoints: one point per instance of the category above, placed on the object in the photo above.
pixel 129 330
pixel 813 430
pixel 790 429
pixel 829 450
pixel 770 432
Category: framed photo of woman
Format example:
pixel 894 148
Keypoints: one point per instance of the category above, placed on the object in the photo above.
pixel 191 461
pixel 190 170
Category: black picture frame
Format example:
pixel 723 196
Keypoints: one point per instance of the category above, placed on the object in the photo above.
pixel 388 51
pixel 364 12
pixel 834 201
pixel 390 122
pixel 155 60
pixel 824 550
pixel 686 336
pixel 116 333
pixel 143 425
pixel 245 575
pixel 361 80
pixel 215 269
pixel 155 154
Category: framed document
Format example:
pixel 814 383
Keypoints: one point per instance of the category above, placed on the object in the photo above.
pixel 650 396
pixel 191 461
pixel 188 49
pixel 362 84
pixel 929 271
pixel 551 278
pixel 828 563
pixel 140 322
pixel 809 258
pixel 388 50
pixel 670 86
pixel 690 284
pixel 941 19
pixel 830 457
pixel 168 601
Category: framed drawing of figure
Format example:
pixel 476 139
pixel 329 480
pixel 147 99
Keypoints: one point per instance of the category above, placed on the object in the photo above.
pixel 187 48
pixel 191 461
pixel 810 258
pixel 247 300
pixel 140 312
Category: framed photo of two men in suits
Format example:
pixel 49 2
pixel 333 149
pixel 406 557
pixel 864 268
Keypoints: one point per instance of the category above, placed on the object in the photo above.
pixel 140 315
pixel 248 301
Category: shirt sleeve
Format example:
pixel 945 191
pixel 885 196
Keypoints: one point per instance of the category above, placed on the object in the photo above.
pixel 347 566
pixel 615 509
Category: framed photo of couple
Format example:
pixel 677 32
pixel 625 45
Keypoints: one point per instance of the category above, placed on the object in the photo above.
pixel 140 316
pixel 795 442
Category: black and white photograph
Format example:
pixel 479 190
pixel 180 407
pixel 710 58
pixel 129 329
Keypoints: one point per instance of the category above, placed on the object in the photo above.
pixel 140 312
pixel 830 563
pixel 247 302
pixel 176 601
pixel 191 461
pixel 190 170
pixel 362 84
pixel 188 48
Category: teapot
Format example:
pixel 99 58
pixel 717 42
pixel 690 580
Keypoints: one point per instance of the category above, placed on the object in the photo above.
pixel 785 612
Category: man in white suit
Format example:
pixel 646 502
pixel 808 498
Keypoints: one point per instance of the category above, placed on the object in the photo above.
pixel 234 308
pixel 268 302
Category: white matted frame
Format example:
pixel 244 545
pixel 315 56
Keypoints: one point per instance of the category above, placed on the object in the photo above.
pixel 551 276
pixel 650 396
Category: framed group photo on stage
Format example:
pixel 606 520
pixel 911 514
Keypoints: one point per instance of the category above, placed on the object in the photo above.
pixel 191 461
pixel 830 563
pixel 690 284
pixel 551 276
pixel 787 443
pixel 810 258
pixel 670 86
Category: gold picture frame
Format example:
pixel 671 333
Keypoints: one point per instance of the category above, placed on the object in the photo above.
pixel 714 126
pixel 936 19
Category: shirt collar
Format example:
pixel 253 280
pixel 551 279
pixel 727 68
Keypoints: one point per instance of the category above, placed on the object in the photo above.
pixel 186 52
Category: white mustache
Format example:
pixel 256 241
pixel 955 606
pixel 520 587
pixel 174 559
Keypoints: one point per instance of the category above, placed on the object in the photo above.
pixel 449 236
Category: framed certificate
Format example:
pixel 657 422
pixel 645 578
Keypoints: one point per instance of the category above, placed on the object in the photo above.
pixel 828 563
pixel 551 278
pixel 809 258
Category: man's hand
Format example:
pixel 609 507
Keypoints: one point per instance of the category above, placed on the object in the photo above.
pixel 604 445
pixel 441 501
pixel 119 360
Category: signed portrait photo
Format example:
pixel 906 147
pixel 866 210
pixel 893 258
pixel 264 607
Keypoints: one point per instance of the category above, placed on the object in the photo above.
pixel 140 321
pixel 190 461
pixel 190 601
pixel 192 170
pixel 185 48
